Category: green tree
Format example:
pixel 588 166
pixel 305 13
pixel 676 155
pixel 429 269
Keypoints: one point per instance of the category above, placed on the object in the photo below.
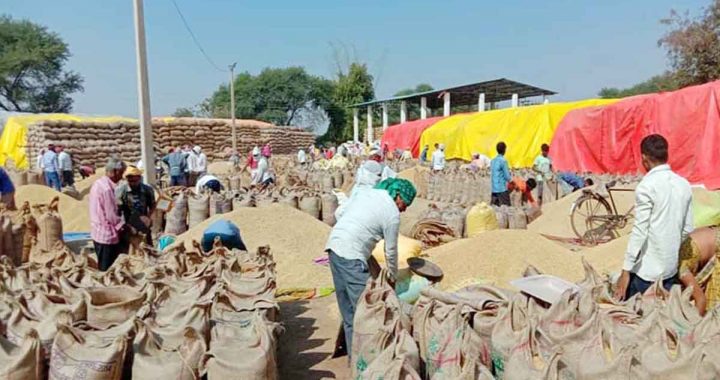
pixel 183 112
pixel 32 74
pixel 658 83
pixel 274 95
pixel 351 87
pixel 413 109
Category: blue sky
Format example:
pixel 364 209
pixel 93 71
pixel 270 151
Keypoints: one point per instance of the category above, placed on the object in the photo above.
pixel 572 47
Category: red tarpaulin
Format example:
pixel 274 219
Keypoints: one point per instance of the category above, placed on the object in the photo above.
pixel 607 139
pixel 407 135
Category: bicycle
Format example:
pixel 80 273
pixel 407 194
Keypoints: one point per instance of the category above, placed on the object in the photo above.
pixel 594 220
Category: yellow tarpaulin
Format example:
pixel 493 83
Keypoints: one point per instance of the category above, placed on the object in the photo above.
pixel 523 129
pixel 14 136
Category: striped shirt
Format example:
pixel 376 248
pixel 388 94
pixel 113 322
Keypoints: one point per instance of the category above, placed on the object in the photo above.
pixel 105 221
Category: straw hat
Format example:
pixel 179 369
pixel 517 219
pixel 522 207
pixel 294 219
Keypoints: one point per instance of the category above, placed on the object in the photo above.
pixel 133 171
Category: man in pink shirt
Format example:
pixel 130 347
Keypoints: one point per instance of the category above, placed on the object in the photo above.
pixel 106 223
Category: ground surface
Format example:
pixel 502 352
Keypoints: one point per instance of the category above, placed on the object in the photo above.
pixel 309 340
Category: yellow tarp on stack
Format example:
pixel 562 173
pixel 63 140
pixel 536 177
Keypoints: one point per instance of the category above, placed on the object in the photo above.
pixel 523 129
pixel 14 134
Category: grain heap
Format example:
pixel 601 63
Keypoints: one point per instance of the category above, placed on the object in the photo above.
pixel 75 214
pixel 91 143
pixel 296 239
pixel 181 315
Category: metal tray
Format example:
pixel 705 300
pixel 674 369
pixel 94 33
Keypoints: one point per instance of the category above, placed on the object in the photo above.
pixel 545 287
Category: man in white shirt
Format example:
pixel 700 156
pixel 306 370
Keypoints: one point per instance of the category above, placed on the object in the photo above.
pixel 663 219
pixel 543 168
pixel 264 176
pixel 372 215
pixel 438 158
pixel 302 157
pixel 208 182
pixel 66 168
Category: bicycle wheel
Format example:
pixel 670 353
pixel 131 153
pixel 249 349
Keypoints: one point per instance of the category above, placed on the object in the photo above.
pixel 586 217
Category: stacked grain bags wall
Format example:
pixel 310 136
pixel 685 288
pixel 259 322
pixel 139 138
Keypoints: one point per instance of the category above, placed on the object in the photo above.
pixel 93 142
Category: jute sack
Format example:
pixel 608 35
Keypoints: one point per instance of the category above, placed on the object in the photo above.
pixel 198 209
pixel 602 358
pixel 35 178
pixel 220 204
pixel 50 228
pixel 399 360
pixel 309 203
pixel 24 360
pixel 26 218
pixel 501 214
pixel 530 356
pixel 439 329
pixel 243 200
pixel 666 359
pixel 75 357
pixel 176 218
pixel 517 220
pixel 510 327
pixel 252 339
pixel 153 360
pixel 111 305
pixel 21 322
pixel 329 203
pixel 377 308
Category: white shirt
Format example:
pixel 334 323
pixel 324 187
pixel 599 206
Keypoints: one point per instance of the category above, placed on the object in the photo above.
pixel 192 162
pixel 370 216
pixel 301 157
pixel 438 160
pixel 201 162
pixel 663 219
pixel 202 181
pixel 387 173
pixel 263 171
pixel 65 161
pixel 544 166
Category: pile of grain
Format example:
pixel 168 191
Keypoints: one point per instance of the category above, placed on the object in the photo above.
pixel 607 258
pixel 501 256
pixel 75 214
pixel 295 239
pixel 555 218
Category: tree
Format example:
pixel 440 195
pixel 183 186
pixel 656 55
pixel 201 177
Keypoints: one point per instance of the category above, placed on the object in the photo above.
pixel 351 87
pixel 274 95
pixel 32 74
pixel 658 83
pixel 693 45
pixel 183 112
pixel 413 109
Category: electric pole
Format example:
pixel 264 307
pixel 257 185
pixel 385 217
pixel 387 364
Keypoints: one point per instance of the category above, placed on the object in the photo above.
pixel 147 154
pixel 232 107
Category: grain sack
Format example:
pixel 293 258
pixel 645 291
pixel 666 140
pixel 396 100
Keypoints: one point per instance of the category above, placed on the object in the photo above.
pixel 198 209
pixel 455 219
pixel 152 360
pixel 337 179
pixel 329 204
pixel 517 220
pixel 35 178
pixel 406 249
pixel 50 228
pixel 220 204
pixel 243 200
pixel 18 247
pixel 175 219
pixel 501 215
pixel 309 203
pixel 288 198
pixel 23 360
pixel 479 219
pixel 19 178
pixel 327 183
pixel 110 306
pixel 75 357
pixel 532 213
pixel 234 183
pixel 399 360
pixel 516 199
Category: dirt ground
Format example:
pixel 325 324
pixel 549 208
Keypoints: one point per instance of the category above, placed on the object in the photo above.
pixel 308 342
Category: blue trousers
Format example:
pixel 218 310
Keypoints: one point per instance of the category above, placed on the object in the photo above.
pixel 177 180
pixel 349 278
pixel 638 285
pixel 52 179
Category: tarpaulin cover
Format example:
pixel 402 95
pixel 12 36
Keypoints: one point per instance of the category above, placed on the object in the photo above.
pixel 523 129
pixel 607 139
pixel 14 134
pixel 407 135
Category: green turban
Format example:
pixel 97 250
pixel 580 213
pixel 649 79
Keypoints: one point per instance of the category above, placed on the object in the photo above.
pixel 399 186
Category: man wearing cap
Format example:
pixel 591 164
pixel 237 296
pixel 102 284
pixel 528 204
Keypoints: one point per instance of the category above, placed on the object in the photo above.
pixel 51 168
pixel 438 158
pixel 197 164
pixel 371 215
pixel 136 202
pixel 106 224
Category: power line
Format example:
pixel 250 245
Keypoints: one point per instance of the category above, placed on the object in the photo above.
pixel 197 43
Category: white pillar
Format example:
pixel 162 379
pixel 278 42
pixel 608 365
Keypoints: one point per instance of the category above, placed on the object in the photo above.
pixel 481 102
pixel 423 108
pixel 356 126
pixel 446 104
pixel 403 111
pixel 147 153
pixel 384 116
pixel 546 100
pixel 514 100
pixel 370 136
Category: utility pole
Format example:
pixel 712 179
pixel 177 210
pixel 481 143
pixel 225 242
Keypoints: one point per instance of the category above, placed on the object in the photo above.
pixel 232 106
pixel 147 154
